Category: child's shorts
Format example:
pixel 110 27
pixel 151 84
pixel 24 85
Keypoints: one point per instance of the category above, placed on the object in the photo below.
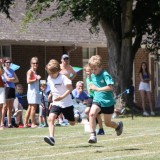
pixel 68 112
pixel 2 95
pixel 89 103
pixel 105 110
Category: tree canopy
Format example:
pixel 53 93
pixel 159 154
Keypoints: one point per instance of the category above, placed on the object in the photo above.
pixel 124 22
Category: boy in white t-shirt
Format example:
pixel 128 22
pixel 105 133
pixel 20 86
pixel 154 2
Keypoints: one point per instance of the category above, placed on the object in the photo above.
pixel 60 87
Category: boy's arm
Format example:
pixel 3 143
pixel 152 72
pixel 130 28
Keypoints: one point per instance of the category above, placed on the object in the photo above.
pixel 65 94
pixel 105 88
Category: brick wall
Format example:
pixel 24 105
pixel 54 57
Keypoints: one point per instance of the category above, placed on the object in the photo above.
pixel 21 55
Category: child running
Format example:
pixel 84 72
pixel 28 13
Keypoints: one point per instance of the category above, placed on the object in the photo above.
pixel 87 70
pixel 103 99
pixel 61 88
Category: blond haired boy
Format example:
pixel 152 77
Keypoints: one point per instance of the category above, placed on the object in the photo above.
pixel 103 99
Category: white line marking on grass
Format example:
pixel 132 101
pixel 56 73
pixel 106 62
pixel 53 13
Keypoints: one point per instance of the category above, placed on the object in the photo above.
pixel 91 150
pixel 101 141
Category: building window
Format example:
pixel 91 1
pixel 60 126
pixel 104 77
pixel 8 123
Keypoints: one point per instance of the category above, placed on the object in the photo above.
pixel 5 51
pixel 87 53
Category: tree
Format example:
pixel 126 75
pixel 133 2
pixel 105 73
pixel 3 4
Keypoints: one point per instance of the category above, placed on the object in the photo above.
pixel 4 6
pixel 121 20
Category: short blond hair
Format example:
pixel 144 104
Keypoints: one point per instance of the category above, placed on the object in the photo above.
pixel 52 67
pixel 87 66
pixel 95 61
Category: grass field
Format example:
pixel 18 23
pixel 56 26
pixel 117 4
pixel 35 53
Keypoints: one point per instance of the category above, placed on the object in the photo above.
pixel 140 140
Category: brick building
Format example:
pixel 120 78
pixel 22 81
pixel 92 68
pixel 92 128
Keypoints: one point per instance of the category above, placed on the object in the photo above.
pixel 50 40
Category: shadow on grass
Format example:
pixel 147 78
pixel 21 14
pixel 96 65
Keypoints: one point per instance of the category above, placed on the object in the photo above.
pixel 87 146
pixel 127 149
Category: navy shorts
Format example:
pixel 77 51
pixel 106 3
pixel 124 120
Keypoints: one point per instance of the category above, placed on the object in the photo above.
pixel 105 110
pixel 89 103
pixel 67 112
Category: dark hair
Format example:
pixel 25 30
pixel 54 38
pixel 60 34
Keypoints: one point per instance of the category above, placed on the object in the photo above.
pixel 6 59
pixel 146 69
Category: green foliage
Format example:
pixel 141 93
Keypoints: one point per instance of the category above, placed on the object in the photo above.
pixel 146 16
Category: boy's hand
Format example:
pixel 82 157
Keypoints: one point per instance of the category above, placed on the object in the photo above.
pixel 80 90
pixel 58 98
pixel 93 87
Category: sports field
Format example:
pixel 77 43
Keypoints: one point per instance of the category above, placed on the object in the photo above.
pixel 140 140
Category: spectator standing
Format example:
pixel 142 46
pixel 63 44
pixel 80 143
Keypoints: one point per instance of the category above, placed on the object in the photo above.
pixel 145 89
pixel 66 68
pixel 10 78
pixel 33 93
pixel 2 91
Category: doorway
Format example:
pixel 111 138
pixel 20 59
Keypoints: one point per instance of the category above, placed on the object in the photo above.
pixel 157 83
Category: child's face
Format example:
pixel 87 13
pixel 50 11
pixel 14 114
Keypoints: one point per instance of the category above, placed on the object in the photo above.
pixel 96 70
pixel 19 90
pixel 43 87
pixel 88 71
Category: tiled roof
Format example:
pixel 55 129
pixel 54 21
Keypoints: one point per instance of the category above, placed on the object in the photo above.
pixel 56 32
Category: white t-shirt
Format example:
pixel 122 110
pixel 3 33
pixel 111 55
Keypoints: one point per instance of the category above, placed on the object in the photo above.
pixel 58 87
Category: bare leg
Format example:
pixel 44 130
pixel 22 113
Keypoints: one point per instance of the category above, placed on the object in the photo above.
pixel 108 122
pixel 150 100
pixel 92 117
pixel 33 112
pixel 142 93
pixel 9 111
pixel 27 115
pixel 4 109
pixel 51 119
pixel 1 107
pixel 99 121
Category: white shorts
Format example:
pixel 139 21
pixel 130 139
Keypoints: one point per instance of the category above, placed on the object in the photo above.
pixel 144 87
pixel 2 95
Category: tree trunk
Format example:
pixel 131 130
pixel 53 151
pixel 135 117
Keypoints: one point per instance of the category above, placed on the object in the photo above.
pixel 120 50
pixel 126 48
pixel 114 50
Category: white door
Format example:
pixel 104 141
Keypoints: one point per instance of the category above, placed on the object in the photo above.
pixel 157 84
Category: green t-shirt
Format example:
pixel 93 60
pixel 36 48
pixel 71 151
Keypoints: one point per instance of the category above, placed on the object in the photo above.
pixel 104 98
pixel 88 82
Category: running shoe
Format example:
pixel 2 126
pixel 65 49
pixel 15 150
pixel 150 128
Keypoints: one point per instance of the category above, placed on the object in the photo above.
pixel 101 132
pixel 92 139
pixel 49 140
pixel 120 128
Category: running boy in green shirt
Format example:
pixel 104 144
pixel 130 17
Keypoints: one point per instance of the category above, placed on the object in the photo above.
pixel 88 72
pixel 103 100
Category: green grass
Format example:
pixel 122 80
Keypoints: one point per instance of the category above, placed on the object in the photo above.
pixel 140 140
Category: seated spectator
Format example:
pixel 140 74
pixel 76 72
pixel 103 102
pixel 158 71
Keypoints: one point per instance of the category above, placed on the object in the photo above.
pixel 18 105
pixel 79 94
